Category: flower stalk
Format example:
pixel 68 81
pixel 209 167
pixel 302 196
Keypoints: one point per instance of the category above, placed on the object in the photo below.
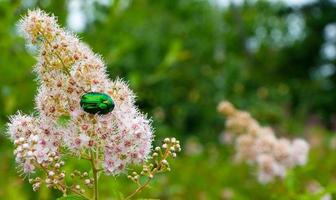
pixel 95 175
pixel 158 164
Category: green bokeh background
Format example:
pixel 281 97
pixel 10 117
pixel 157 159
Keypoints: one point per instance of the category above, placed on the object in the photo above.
pixel 182 57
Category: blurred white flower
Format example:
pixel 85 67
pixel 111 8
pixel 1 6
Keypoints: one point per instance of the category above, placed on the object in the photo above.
pixel 193 147
pixel 258 145
pixel 226 137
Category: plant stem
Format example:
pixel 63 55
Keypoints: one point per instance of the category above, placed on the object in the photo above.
pixel 138 189
pixel 63 187
pixel 153 173
pixel 95 176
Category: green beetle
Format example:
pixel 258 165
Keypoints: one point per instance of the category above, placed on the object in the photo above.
pixel 97 103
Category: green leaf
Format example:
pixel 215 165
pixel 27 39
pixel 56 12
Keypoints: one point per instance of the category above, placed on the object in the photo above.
pixel 63 120
pixel 71 197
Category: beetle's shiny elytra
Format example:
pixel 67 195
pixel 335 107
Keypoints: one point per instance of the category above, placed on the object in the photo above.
pixel 97 103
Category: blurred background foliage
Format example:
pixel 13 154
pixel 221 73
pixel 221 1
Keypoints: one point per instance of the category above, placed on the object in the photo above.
pixel 182 57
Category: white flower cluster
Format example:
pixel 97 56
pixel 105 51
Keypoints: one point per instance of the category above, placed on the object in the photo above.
pixel 67 69
pixel 258 145
pixel 35 142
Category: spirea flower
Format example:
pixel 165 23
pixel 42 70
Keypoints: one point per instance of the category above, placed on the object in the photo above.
pixel 258 145
pixel 66 70
pixel 35 141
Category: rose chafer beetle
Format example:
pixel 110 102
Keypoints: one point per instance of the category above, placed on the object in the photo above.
pixel 96 103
